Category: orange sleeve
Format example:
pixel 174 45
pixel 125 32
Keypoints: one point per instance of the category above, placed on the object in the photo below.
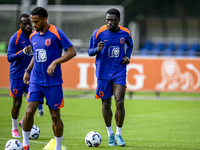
pixel 125 29
pixel 32 34
pixel 18 35
pixel 53 29
pixel 103 28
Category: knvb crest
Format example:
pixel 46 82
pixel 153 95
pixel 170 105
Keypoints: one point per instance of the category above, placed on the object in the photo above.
pixel 41 55
pixel 113 51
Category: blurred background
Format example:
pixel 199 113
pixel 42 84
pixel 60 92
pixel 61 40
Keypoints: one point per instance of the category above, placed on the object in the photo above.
pixel 168 28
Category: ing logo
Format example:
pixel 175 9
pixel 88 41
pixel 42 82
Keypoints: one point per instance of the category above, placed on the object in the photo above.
pixel 174 79
pixel 47 42
pixel 122 40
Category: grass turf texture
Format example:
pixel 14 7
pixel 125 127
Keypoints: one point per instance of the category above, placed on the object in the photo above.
pixel 149 124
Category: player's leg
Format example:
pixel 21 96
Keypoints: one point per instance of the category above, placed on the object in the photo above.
pixel 17 101
pixel 26 86
pixel 119 94
pixel 55 101
pixel 57 123
pixel 29 115
pixel 57 126
pixel 104 91
pixel 16 91
pixel 34 98
pixel 28 121
pixel 106 111
pixel 107 115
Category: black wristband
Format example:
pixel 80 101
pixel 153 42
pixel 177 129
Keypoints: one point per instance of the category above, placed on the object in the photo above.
pixel 26 70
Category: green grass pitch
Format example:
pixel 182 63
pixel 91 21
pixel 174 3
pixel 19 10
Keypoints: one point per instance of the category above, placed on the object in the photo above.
pixel 150 123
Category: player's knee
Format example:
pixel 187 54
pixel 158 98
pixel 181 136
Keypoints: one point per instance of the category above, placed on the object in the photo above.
pixel 106 105
pixel 29 113
pixel 55 117
pixel 120 105
pixel 17 104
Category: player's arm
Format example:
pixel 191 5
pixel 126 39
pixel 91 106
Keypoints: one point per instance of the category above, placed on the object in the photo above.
pixel 94 46
pixel 13 54
pixel 70 53
pixel 129 49
pixel 27 71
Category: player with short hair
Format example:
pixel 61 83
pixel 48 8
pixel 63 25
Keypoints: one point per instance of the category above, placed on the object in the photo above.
pixel 19 56
pixel 47 43
pixel 112 44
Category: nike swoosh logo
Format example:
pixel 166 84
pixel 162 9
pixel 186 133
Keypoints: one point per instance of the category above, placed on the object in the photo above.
pixel 57 104
pixel 34 43
pixel 106 40
pixel 23 42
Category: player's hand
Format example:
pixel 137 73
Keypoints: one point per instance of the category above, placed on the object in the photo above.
pixel 27 49
pixel 126 60
pixel 100 46
pixel 26 78
pixel 50 69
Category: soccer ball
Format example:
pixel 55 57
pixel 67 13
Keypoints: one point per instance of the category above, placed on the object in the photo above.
pixel 13 144
pixel 35 132
pixel 93 139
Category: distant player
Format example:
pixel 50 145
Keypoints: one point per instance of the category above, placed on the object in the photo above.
pixel 19 56
pixel 112 45
pixel 47 43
